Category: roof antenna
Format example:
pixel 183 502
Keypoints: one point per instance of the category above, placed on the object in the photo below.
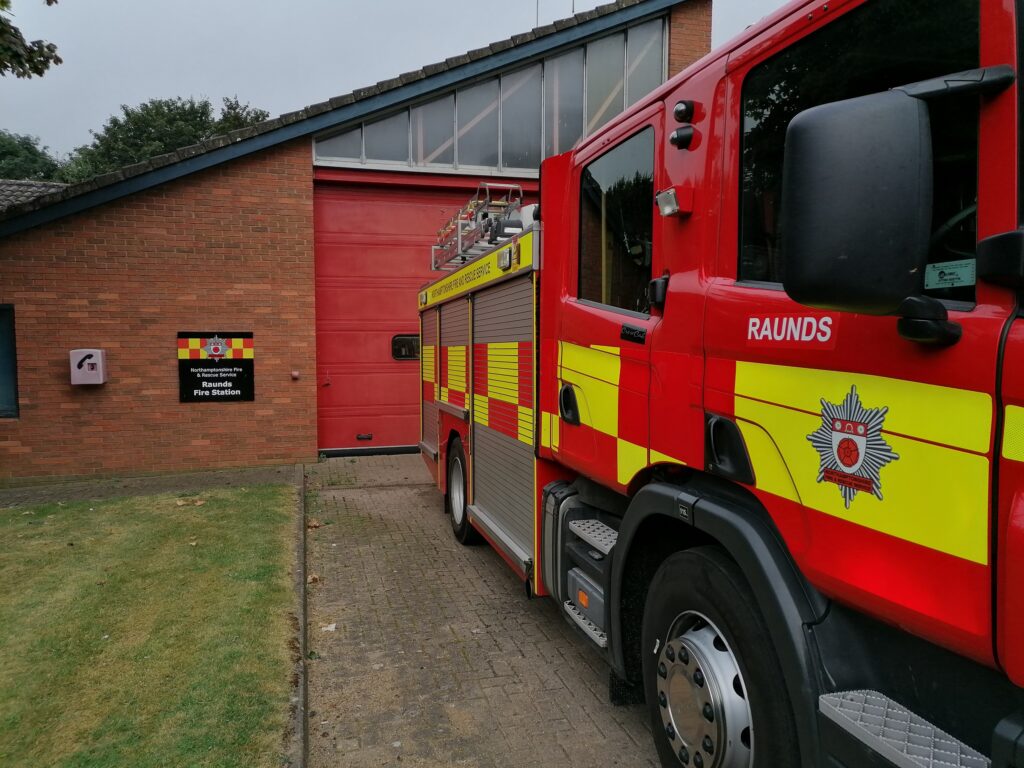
pixel 537 22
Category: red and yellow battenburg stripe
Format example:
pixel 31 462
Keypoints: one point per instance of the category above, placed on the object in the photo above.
pixel 453 384
pixel 610 384
pixel 235 349
pixel 503 388
pixel 428 355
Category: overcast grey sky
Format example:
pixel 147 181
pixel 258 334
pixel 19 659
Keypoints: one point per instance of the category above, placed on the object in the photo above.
pixel 279 55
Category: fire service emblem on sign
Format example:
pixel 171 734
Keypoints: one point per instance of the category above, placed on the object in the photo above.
pixel 216 348
pixel 849 442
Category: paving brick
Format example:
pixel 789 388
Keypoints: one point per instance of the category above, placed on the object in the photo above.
pixel 436 648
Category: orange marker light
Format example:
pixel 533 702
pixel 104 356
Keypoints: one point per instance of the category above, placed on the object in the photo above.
pixel 582 599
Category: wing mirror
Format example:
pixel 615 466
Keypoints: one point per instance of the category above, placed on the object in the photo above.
pixel 856 208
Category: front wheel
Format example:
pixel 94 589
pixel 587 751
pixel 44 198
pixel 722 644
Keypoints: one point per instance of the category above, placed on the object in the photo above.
pixel 714 687
pixel 455 499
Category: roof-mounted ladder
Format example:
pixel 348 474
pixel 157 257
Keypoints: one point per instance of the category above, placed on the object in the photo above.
pixel 493 214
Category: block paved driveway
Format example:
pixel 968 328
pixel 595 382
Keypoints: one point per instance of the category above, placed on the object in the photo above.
pixel 438 658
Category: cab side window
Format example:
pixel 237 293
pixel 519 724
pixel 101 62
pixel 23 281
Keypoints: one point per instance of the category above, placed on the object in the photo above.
pixel 873 48
pixel 616 222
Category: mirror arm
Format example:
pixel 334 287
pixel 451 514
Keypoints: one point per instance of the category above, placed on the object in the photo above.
pixel 981 81
pixel 657 291
pixel 925 320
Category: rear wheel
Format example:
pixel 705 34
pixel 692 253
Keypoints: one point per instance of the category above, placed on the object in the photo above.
pixel 455 499
pixel 714 687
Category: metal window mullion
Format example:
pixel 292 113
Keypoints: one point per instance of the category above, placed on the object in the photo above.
pixel 625 70
pixel 455 132
pixel 501 131
pixel 543 107
pixel 664 48
pixel 408 137
pixel 625 67
pixel 586 105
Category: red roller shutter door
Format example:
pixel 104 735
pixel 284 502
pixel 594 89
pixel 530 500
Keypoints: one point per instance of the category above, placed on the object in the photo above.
pixel 372 247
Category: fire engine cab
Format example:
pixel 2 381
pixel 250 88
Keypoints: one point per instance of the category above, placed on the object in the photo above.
pixel 744 394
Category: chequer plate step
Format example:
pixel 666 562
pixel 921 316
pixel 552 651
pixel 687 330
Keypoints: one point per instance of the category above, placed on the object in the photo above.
pixel 896 733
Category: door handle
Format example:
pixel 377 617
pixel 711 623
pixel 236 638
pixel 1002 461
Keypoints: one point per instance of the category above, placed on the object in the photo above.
pixel 568 408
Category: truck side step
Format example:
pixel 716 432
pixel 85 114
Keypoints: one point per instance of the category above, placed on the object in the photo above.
pixel 896 733
pixel 598 535
pixel 586 624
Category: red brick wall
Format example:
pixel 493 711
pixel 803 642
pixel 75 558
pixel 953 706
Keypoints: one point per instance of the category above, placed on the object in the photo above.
pixel 230 248
pixel 689 35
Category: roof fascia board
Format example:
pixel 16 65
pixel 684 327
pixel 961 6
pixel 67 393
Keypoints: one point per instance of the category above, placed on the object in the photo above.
pixel 337 117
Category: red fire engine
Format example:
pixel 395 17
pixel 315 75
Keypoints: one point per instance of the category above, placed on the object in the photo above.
pixel 746 398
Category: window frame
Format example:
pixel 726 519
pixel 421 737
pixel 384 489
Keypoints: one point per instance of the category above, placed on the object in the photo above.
pixel 419 347
pixel 740 78
pixel 644 123
pixel 14 412
pixel 410 166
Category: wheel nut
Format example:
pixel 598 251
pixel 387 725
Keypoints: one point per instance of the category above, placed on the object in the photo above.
pixel 698 760
pixel 684 656
pixel 662 699
pixel 698 678
pixel 709 713
pixel 662 671
pixel 670 653
pixel 708 745
pixel 684 756
pixel 670 732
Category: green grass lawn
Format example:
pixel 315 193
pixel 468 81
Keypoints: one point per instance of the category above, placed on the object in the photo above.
pixel 148 631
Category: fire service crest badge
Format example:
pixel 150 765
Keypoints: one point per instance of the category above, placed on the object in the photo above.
pixel 216 348
pixel 850 445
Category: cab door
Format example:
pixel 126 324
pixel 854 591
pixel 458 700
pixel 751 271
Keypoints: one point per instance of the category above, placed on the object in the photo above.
pixel 872 452
pixel 603 318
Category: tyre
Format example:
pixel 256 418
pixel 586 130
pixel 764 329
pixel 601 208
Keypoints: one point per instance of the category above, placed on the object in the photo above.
pixel 714 687
pixel 455 500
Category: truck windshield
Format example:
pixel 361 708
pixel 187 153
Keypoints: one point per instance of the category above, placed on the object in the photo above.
pixel 875 47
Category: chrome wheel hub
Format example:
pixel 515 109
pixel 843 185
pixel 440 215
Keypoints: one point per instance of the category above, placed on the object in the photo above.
pixel 457 491
pixel 702 697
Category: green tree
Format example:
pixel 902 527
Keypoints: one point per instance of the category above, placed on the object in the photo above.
pixel 154 128
pixel 21 157
pixel 235 115
pixel 18 56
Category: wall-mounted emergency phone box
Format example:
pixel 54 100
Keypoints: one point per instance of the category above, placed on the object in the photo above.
pixel 88 366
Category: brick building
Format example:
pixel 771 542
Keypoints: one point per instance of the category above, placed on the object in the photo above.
pixel 310 232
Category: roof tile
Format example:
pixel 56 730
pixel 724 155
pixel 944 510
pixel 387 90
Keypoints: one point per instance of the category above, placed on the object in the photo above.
pixel 15 191
pixel 501 45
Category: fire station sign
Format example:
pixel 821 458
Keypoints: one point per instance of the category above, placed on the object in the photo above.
pixel 215 366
